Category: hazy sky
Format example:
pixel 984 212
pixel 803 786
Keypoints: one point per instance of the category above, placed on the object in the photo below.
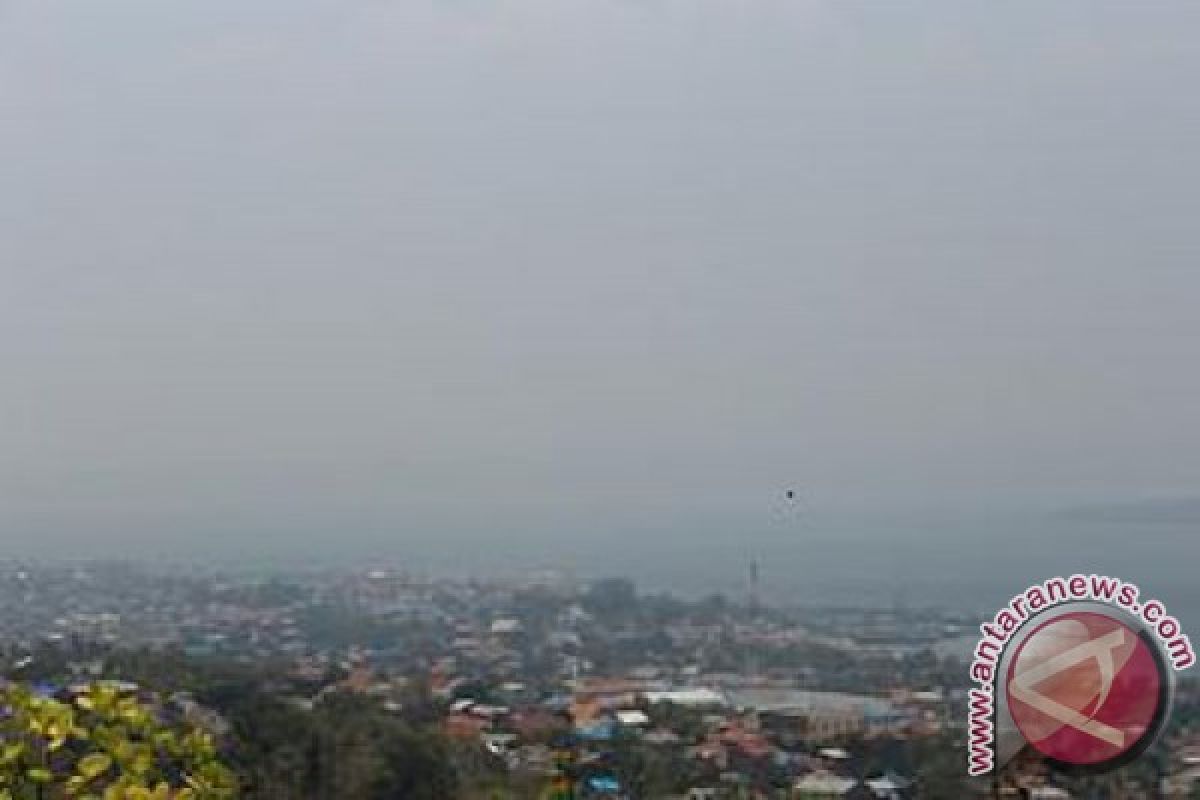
pixel 340 270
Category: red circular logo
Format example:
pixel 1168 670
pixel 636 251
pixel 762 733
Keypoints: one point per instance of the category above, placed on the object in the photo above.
pixel 1084 688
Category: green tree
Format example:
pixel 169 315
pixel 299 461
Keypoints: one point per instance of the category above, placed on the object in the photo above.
pixel 103 744
pixel 347 747
pixel 611 597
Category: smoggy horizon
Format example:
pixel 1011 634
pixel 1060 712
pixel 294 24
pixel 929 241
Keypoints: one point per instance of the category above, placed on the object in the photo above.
pixel 531 281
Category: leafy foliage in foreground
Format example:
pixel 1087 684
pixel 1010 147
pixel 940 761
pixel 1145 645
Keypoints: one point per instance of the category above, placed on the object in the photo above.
pixel 102 744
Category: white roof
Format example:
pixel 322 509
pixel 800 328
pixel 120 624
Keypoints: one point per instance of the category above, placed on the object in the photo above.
pixel 829 784
pixel 687 697
pixel 800 701
pixel 480 710
pixel 885 784
pixel 632 718
pixel 506 625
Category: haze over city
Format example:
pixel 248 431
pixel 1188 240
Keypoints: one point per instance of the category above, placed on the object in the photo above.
pixel 498 285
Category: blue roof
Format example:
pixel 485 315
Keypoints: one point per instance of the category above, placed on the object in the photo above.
pixel 603 783
pixel 601 730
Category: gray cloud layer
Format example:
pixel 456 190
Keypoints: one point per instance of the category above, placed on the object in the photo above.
pixel 440 267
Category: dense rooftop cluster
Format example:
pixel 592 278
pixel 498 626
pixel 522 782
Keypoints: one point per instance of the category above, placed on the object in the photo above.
pixel 544 687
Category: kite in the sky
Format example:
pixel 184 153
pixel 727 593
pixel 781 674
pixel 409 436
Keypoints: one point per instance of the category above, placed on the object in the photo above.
pixel 788 508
